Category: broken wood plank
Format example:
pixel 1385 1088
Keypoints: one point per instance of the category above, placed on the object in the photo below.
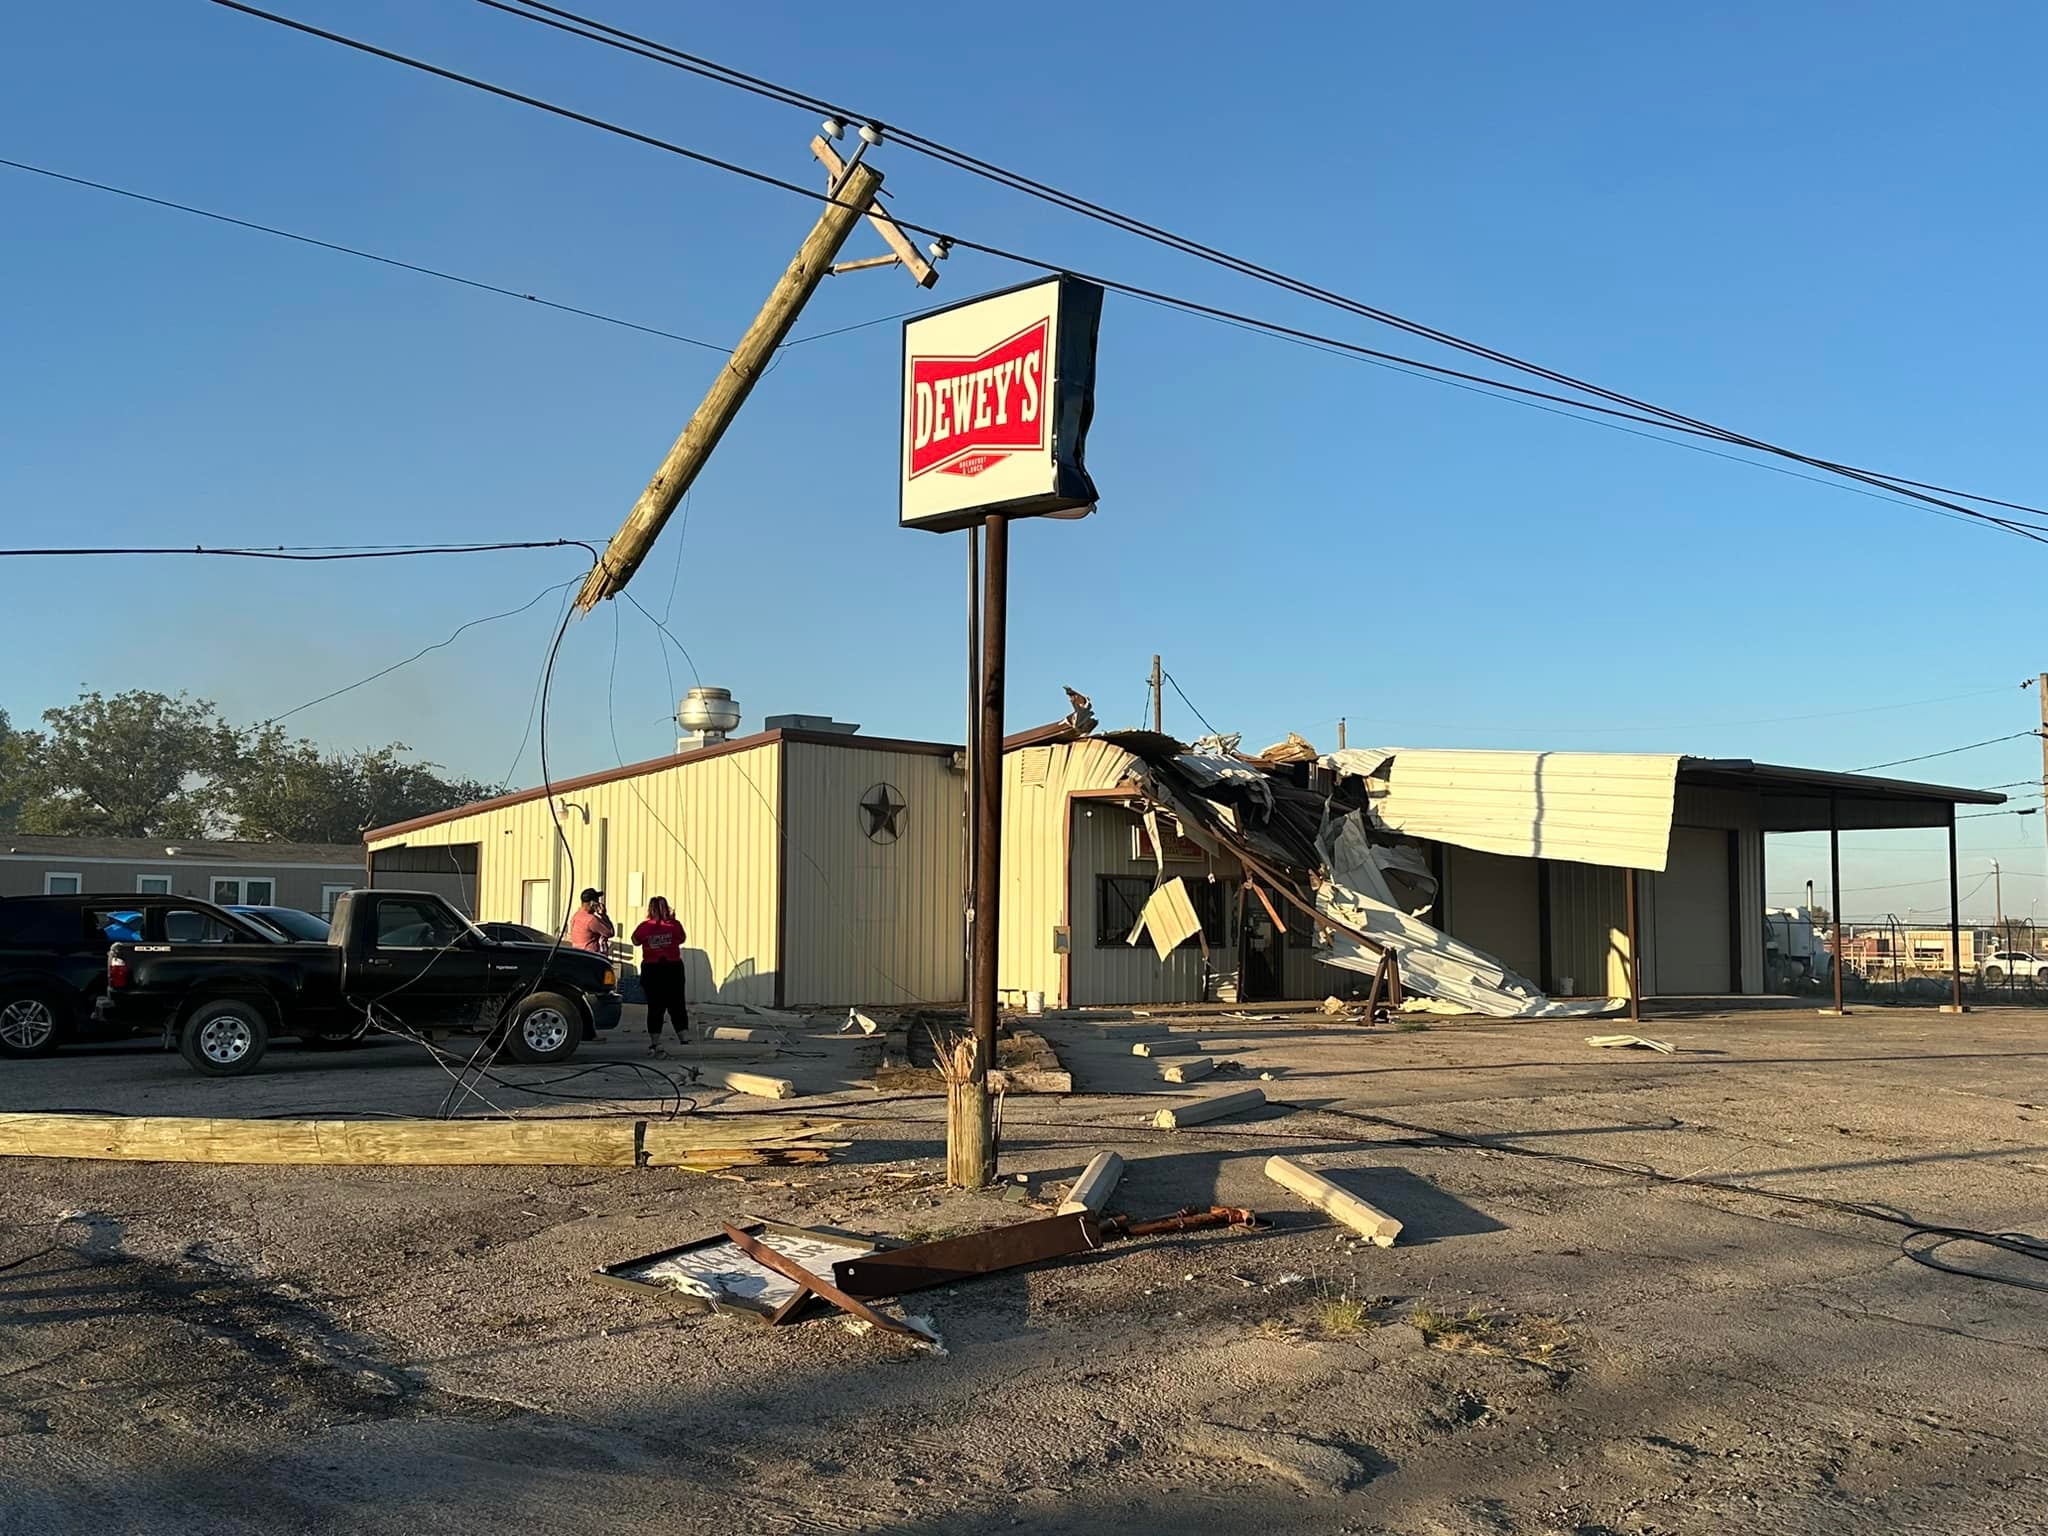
pixel 451 1143
pixel 1097 1183
pixel 1210 1109
pixel 1362 1217
pixel 760 1085
pixel 1186 1069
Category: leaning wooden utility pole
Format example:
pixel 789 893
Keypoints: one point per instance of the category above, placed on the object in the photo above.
pixel 1158 704
pixel 851 199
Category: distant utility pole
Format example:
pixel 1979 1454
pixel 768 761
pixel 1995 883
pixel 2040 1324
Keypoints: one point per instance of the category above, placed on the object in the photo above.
pixel 1340 733
pixel 1997 895
pixel 853 189
pixel 1158 703
pixel 2041 689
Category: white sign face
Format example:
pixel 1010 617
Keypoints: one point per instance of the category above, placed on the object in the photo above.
pixel 997 394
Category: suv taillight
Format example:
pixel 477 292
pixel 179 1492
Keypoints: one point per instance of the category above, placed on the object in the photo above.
pixel 117 970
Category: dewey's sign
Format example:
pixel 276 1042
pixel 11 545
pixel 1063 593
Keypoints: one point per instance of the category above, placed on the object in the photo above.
pixel 997 395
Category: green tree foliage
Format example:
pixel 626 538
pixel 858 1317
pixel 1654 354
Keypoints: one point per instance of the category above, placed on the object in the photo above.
pixel 142 764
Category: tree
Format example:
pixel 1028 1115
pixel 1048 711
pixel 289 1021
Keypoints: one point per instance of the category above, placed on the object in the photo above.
pixel 136 764
pixel 20 760
pixel 275 787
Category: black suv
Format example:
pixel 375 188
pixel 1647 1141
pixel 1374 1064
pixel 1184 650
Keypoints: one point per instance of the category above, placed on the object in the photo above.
pixel 53 958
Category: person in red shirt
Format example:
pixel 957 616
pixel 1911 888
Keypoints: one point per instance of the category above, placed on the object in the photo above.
pixel 661 972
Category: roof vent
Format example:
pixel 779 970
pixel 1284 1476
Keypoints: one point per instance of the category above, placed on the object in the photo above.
pixel 707 716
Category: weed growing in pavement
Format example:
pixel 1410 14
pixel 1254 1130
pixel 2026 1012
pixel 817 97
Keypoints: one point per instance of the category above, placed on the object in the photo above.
pixel 1343 1314
pixel 1409 1026
pixel 1533 1339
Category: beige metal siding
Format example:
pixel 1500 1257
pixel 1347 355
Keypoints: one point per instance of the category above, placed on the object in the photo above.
pixel 1119 972
pixel 1685 916
pixel 1036 784
pixel 703 834
pixel 870 922
pixel 1740 812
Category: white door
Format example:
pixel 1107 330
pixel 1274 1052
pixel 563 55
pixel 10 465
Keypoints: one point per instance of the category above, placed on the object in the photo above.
pixel 537 905
pixel 1690 944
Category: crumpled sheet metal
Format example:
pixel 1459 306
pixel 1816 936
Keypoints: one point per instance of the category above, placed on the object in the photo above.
pixel 1169 919
pixel 1357 895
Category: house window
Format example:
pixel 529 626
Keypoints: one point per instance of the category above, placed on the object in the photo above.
pixel 244 891
pixel 152 885
pixel 55 884
pixel 329 895
pixel 1120 901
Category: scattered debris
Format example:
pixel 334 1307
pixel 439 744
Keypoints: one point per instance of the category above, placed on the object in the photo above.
pixel 1642 1042
pixel 1210 1109
pixel 715 1272
pixel 1169 919
pixel 1186 1069
pixel 738 1034
pixel 758 1084
pixel 810 1285
pixel 1026 1063
pixel 1191 1219
pixel 893 1271
pixel 1097 1183
pixel 1366 1219
pixel 856 1021
pixel 1334 1006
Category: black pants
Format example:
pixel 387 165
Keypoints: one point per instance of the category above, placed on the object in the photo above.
pixel 663 985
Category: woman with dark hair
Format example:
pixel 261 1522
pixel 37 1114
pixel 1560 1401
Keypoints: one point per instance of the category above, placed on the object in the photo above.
pixel 660 939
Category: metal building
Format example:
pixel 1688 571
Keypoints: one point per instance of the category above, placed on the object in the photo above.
pixel 808 867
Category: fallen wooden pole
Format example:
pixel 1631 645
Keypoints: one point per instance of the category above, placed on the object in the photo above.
pixel 1097 1183
pixel 1362 1217
pixel 1210 1109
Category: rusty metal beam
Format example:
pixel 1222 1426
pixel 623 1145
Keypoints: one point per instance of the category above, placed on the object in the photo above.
pixel 896 1270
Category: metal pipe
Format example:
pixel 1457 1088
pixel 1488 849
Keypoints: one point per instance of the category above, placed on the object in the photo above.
pixel 1835 888
pixel 1955 920
pixel 1635 957
pixel 973 758
pixel 988 869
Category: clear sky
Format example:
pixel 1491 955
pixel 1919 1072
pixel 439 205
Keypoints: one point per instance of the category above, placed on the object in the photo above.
pixel 1819 223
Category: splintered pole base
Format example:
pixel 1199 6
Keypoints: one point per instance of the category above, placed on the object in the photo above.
pixel 970 1135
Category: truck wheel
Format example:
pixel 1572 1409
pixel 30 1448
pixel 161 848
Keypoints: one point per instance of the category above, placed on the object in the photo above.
pixel 544 1028
pixel 31 1022
pixel 224 1037
pixel 1994 974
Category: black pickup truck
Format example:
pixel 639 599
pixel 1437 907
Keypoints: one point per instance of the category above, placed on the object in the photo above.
pixel 402 960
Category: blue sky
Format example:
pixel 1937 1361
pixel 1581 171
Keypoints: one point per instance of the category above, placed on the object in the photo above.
pixel 1816 223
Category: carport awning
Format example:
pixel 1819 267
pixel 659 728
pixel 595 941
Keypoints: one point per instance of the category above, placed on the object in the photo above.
pixel 1798 799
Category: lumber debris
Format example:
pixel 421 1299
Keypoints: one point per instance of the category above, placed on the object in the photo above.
pixel 1366 1219
pixel 759 1084
pixel 697 1142
pixel 1097 1183
pixel 763 1036
pixel 1026 1063
pixel 1186 1069
pixel 1214 1108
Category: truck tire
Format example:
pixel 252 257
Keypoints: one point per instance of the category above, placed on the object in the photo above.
pixel 544 1028
pixel 224 1037
pixel 33 1021
pixel 1994 974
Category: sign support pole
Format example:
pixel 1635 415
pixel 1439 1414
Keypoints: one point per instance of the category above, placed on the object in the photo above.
pixel 973 738
pixel 970 1129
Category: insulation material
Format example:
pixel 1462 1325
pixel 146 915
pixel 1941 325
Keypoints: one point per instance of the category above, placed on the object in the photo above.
pixel 1169 917
pixel 1357 895
pixel 1607 808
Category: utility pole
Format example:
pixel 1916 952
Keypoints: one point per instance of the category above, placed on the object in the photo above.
pixel 970 1122
pixel 1997 896
pixel 1158 703
pixel 853 187
pixel 2041 690
pixel 1340 733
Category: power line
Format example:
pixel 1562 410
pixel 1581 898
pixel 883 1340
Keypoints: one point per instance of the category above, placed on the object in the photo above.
pixel 1661 418
pixel 1189 702
pixel 425 271
pixel 593 30
pixel 1900 762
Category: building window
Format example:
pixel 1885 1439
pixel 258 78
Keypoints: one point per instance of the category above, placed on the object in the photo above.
pixel 329 895
pixel 152 885
pixel 1120 902
pixel 55 884
pixel 244 891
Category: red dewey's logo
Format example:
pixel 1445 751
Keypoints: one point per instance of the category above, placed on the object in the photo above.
pixel 968 413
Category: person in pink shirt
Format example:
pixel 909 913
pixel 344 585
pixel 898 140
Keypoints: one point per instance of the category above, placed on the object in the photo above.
pixel 660 939
pixel 589 927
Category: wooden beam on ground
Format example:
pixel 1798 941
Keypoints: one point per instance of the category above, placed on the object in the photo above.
pixel 1097 1183
pixel 1362 1217
pixel 1210 1109
pixel 361 1143
pixel 760 1085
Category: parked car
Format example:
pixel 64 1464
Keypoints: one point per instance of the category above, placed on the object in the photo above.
pixel 403 958
pixel 2015 963
pixel 514 933
pixel 289 923
pixel 53 958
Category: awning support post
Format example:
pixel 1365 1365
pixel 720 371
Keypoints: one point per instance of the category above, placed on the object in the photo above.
pixel 1835 895
pixel 1955 926
pixel 1635 957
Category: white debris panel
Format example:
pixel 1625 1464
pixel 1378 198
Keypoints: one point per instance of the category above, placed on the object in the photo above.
pixel 1607 808
pixel 1358 893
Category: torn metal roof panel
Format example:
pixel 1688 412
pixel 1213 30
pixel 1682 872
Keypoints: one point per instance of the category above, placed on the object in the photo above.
pixel 1607 808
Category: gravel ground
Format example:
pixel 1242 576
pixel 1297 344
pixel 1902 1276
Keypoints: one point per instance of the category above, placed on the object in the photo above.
pixel 1557 1344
